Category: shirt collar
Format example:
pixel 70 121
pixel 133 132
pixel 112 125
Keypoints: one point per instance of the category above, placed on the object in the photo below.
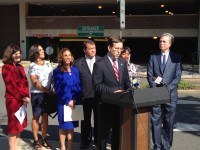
pixel 87 58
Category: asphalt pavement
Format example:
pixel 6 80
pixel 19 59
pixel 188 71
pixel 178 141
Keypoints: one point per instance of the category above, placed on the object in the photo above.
pixel 186 129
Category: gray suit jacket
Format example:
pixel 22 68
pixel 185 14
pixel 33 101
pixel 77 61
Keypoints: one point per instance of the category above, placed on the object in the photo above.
pixel 171 75
pixel 85 77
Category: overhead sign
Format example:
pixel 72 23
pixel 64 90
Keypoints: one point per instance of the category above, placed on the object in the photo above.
pixel 96 31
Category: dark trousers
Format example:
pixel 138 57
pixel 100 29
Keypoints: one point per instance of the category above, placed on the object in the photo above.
pixel 89 105
pixel 108 119
pixel 162 118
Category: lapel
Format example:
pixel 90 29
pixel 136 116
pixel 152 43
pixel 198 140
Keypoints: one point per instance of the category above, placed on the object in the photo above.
pixel 159 62
pixel 120 68
pixel 110 67
pixel 85 65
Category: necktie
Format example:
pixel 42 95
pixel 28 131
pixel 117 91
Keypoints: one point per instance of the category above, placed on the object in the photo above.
pixel 116 69
pixel 91 65
pixel 164 62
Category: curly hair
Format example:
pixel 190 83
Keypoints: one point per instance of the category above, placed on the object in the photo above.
pixel 60 61
pixel 9 51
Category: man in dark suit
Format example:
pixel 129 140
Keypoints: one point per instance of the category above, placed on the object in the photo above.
pixel 88 100
pixel 164 69
pixel 110 75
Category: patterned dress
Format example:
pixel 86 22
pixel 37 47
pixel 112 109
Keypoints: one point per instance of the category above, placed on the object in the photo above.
pixel 16 85
pixel 133 74
pixel 67 87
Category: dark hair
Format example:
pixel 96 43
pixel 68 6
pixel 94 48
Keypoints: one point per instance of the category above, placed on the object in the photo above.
pixel 60 61
pixel 114 39
pixel 126 49
pixel 88 42
pixel 34 52
pixel 9 51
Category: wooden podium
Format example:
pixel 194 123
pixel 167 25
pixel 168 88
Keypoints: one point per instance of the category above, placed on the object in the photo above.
pixel 135 114
pixel 135 129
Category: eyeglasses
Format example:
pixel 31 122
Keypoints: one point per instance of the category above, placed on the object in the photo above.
pixel 117 49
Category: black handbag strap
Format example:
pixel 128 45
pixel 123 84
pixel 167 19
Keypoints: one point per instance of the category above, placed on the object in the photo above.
pixel 53 116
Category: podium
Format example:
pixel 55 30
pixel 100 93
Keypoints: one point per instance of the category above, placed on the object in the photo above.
pixel 134 114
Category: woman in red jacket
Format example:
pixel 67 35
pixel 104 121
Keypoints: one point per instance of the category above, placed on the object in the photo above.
pixel 16 94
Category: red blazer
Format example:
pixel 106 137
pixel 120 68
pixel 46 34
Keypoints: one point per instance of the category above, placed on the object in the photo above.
pixel 15 81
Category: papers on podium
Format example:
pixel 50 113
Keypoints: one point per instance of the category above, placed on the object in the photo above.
pixel 21 114
pixel 73 114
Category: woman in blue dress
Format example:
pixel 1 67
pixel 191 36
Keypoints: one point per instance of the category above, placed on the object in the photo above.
pixel 67 87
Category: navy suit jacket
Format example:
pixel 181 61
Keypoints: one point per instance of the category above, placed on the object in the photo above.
pixel 171 75
pixel 85 77
pixel 104 77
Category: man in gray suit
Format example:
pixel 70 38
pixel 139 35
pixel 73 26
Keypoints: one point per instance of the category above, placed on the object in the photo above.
pixel 88 100
pixel 164 69
pixel 110 75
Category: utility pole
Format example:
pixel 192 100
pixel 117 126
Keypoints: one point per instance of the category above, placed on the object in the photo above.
pixel 121 5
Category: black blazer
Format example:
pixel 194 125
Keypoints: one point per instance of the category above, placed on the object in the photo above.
pixel 85 77
pixel 104 77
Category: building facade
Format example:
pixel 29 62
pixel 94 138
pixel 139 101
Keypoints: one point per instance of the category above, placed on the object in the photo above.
pixel 66 23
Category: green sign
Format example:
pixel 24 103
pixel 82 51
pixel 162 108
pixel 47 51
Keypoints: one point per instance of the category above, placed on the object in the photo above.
pixel 97 31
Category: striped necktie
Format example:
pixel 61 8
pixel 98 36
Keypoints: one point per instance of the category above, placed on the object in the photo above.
pixel 116 69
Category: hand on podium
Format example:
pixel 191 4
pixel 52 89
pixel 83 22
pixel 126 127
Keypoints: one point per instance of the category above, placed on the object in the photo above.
pixel 119 91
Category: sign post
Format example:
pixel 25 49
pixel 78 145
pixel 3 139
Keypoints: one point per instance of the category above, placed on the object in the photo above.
pixel 121 15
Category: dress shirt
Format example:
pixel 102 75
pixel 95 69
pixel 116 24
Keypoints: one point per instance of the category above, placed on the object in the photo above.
pixel 90 63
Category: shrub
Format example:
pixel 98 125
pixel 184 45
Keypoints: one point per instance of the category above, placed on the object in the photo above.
pixel 185 85
pixel 144 86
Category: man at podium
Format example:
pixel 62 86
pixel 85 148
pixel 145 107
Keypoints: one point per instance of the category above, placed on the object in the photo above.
pixel 110 75
pixel 164 68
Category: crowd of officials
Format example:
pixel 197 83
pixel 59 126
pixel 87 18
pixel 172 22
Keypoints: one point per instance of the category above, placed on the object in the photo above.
pixel 83 81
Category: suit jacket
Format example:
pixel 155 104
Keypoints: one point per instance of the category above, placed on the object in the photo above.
pixel 171 74
pixel 85 77
pixel 104 77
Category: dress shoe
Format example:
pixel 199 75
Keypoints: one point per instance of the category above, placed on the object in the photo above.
pixel 84 146
pixel 166 148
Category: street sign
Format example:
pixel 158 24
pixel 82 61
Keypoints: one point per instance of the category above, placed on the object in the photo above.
pixel 95 31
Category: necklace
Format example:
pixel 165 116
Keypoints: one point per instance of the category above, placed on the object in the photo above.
pixel 67 68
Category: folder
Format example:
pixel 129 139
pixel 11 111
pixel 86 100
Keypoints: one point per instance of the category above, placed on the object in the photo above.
pixel 73 114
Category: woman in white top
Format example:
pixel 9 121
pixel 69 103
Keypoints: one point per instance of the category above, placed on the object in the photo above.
pixel 40 72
